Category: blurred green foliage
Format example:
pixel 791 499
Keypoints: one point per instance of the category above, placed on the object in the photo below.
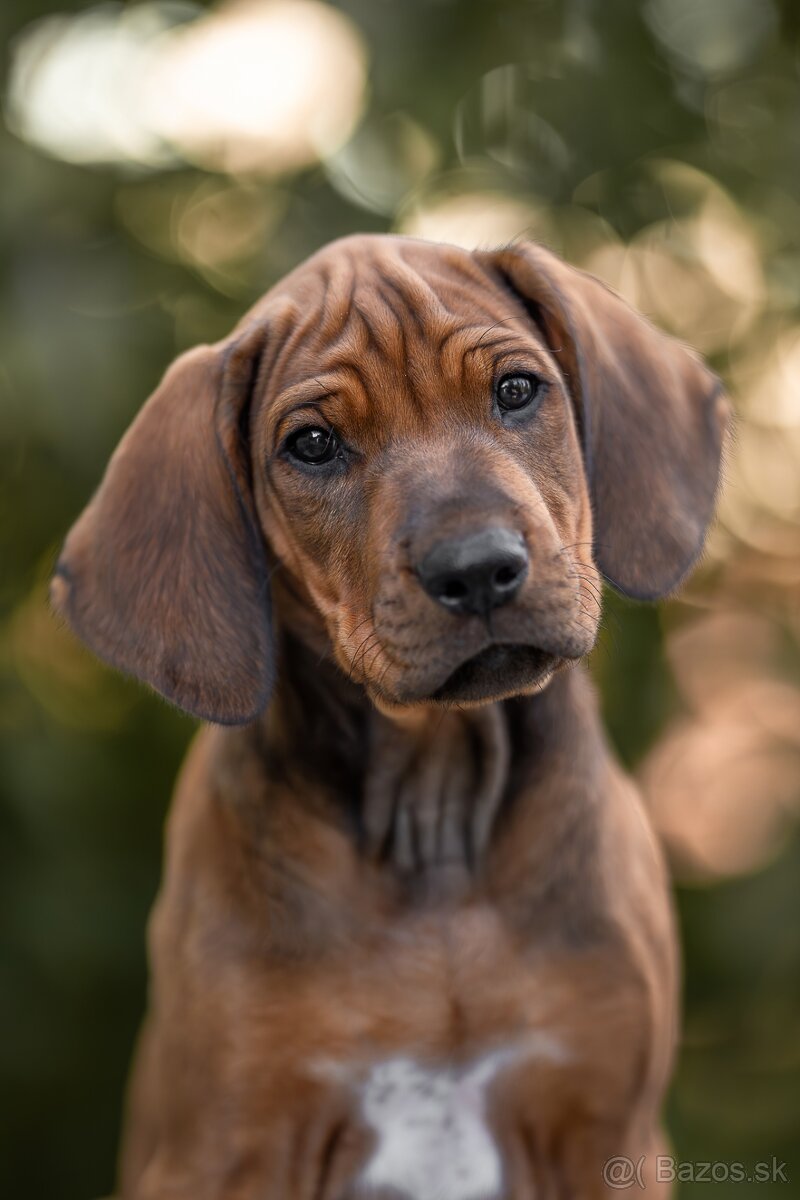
pixel 568 110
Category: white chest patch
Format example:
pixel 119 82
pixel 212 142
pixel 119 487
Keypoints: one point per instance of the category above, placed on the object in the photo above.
pixel 433 1142
pixel 433 1139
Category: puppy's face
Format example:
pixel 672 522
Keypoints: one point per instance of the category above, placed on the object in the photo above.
pixel 418 474
pixel 428 455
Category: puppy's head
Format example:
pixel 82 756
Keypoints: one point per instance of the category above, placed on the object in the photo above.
pixel 435 454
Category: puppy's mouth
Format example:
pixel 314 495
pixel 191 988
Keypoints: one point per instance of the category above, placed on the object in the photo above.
pixel 499 670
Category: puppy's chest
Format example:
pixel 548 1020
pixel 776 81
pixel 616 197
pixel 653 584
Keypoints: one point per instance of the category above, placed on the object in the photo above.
pixel 433 1138
pixel 456 1048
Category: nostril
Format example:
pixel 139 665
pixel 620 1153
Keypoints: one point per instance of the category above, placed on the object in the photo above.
pixel 453 589
pixel 506 576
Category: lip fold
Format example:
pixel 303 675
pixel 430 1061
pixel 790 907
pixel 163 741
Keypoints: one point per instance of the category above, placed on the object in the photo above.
pixel 499 669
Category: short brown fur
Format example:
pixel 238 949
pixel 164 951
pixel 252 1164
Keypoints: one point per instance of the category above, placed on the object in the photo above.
pixel 415 844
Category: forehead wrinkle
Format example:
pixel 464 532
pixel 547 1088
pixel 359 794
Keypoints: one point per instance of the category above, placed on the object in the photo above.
pixel 409 297
pixel 446 293
pixel 452 261
pixel 422 323
pixel 321 308
pixel 357 331
pixel 461 347
pixel 358 391
pixel 398 329
pixel 337 299
pixel 461 288
pixel 301 336
pixel 339 381
pixel 376 322
pixel 418 296
pixel 360 320
pixel 409 381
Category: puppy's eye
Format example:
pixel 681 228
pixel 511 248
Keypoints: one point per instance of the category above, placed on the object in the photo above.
pixel 313 445
pixel 517 391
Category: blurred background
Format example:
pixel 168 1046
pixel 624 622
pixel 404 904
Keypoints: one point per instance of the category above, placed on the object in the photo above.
pixel 162 163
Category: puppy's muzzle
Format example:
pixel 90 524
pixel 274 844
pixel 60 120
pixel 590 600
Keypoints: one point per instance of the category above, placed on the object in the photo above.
pixel 477 572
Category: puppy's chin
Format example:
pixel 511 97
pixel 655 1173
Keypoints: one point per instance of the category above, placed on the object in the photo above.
pixel 495 673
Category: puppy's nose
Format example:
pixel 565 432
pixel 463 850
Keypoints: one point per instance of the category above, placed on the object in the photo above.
pixel 475 573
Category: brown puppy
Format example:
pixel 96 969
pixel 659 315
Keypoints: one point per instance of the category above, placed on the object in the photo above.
pixel 414 938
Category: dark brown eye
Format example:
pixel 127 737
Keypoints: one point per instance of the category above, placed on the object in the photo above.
pixel 313 445
pixel 517 391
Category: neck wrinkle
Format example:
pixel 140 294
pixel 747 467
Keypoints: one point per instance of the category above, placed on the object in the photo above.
pixel 433 786
pixel 421 793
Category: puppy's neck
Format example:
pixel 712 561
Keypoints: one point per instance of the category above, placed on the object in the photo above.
pixel 433 785
pixel 420 793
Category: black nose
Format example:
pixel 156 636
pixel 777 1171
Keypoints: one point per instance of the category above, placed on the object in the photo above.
pixel 476 573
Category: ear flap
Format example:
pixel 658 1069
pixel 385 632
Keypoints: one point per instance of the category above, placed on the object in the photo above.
pixel 652 418
pixel 164 574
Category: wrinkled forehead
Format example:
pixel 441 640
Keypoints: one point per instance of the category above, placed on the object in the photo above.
pixel 389 311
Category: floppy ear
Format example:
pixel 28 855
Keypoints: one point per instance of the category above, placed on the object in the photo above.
pixel 652 418
pixel 164 574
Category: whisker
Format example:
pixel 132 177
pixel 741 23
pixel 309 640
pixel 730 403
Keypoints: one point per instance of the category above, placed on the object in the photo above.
pixel 355 656
pixel 486 332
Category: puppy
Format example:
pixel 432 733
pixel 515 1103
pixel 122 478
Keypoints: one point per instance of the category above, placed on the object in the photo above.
pixel 414 938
